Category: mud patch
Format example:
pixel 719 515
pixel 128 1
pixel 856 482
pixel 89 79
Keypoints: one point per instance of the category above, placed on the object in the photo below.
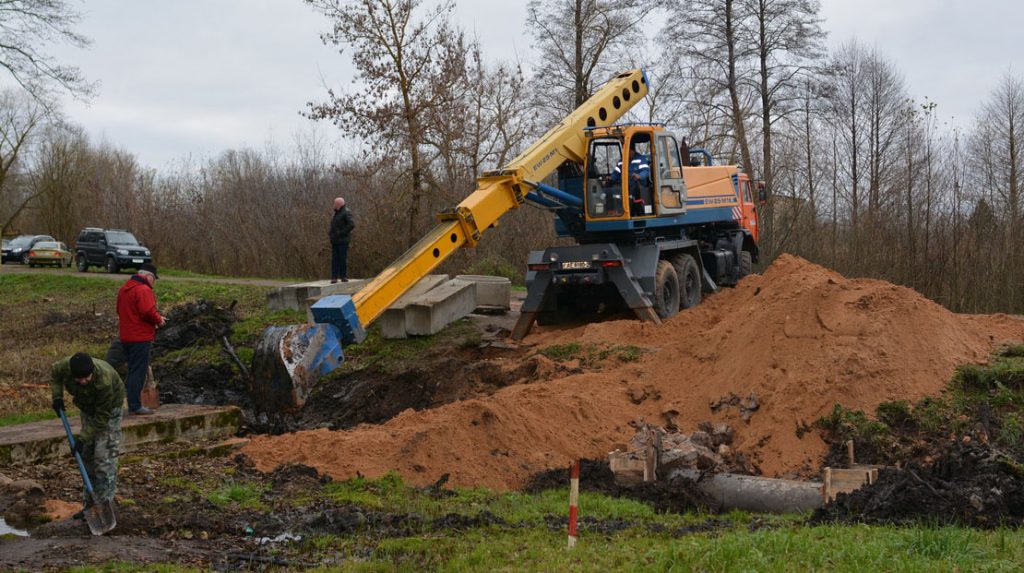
pixel 970 484
pixel 372 396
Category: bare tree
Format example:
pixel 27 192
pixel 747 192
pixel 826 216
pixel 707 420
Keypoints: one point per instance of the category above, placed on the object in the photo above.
pixel 20 117
pixel 28 28
pixel 583 42
pixel 58 179
pixel 406 65
pixel 715 35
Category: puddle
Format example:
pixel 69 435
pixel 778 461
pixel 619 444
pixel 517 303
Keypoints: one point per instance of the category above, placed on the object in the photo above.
pixel 8 530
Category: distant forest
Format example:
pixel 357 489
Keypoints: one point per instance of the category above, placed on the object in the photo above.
pixel 861 177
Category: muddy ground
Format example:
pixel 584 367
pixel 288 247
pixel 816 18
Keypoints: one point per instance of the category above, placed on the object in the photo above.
pixel 168 510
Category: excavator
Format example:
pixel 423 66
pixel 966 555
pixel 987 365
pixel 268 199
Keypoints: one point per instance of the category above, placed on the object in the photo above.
pixel 655 224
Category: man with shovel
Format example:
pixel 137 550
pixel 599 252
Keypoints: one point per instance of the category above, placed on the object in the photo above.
pixel 98 393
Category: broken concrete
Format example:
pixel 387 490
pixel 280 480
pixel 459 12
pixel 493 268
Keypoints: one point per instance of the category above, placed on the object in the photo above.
pixel 493 294
pixel 37 441
pixel 440 307
pixel 392 321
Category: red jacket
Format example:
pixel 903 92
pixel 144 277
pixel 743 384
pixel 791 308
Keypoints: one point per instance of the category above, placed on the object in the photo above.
pixel 136 309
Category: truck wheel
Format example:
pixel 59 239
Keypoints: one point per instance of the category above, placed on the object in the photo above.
pixel 112 267
pixel 81 263
pixel 666 290
pixel 689 280
pixel 746 263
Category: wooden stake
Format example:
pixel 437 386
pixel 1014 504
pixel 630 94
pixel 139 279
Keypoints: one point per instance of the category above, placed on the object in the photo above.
pixel 849 452
pixel 574 495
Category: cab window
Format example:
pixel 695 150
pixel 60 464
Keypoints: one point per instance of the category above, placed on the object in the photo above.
pixel 669 164
pixel 604 182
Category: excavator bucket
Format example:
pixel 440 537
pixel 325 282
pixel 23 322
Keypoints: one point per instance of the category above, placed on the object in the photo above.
pixel 290 359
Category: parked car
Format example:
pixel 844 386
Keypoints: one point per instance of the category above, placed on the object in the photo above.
pixel 6 243
pixel 49 253
pixel 112 249
pixel 20 246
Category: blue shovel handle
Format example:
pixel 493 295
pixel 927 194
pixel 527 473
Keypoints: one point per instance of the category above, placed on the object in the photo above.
pixel 78 457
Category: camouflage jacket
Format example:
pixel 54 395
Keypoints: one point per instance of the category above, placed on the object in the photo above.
pixel 97 399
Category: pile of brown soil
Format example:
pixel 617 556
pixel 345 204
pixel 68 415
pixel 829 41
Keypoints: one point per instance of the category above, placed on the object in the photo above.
pixel 799 337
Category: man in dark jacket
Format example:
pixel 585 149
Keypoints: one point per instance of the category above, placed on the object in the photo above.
pixel 341 230
pixel 99 394
pixel 138 317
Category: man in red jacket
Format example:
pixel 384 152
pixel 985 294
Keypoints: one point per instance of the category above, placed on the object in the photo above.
pixel 136 309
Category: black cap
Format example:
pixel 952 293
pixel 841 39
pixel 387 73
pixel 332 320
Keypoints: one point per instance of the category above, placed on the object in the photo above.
pixel 81 365
pixel 149 268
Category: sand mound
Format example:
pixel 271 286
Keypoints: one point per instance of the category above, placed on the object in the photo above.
pixel 799 337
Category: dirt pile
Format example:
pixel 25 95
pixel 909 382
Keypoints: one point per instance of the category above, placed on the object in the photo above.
pixel 799 337
pixel 193 329
pixel 970 484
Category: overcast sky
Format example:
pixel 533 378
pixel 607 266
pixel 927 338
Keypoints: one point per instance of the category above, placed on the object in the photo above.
pixel 192 78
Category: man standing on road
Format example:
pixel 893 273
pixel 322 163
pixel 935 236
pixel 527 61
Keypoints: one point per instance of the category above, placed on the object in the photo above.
pixel 341 230
pixel 98 393
pixel 138 317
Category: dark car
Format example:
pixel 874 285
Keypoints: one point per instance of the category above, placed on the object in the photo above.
pixel 112 249
pixel 19 247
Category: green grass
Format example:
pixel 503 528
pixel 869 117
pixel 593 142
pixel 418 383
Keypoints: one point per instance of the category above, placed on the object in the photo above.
pixel 395 355
pixel 243 495
pixel 782 549
pixel 18 288
pixel 737 541
pixel 26 417
pixel 179 273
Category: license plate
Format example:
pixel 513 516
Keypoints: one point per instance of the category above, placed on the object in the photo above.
pixel 136 260
pixel 576 265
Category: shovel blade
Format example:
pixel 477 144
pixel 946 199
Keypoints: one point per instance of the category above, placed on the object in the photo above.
pixel 101 518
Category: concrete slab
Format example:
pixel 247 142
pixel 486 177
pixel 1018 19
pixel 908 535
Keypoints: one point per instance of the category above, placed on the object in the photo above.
pixel 440 307
pixel 295 296
pixel 392 320
pixel 36 441
pixel 492 293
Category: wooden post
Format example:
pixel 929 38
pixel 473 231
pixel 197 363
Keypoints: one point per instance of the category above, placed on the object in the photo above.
pixel 828 485
pixel 849 452
pixel 574 495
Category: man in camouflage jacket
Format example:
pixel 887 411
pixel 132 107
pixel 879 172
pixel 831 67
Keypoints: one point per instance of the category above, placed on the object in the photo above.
pixel 98 392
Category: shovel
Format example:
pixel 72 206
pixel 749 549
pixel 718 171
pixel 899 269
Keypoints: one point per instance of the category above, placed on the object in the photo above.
pixel 100 516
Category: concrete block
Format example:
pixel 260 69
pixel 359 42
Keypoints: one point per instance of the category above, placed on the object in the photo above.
pixel 440 307
pixel 492 293
pixel 37 441
pixel 275 299
pixel 392 320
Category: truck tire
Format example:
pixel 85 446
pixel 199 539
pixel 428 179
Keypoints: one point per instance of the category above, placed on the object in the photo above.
pixel 112 267
pixel 746 263
pixel 666 290
pixel 689 280
pixel 81 263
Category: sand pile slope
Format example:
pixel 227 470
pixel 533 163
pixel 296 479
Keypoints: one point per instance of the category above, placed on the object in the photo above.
pixel 799 337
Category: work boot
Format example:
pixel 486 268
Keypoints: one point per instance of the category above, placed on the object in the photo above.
pixel 344 280
pixel 142 411
pixel 334 281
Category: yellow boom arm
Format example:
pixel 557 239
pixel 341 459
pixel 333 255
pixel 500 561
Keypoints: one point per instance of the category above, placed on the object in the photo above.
pixel 498 192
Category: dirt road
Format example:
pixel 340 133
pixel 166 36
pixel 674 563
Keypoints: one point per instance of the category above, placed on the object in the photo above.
pixel 9 268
